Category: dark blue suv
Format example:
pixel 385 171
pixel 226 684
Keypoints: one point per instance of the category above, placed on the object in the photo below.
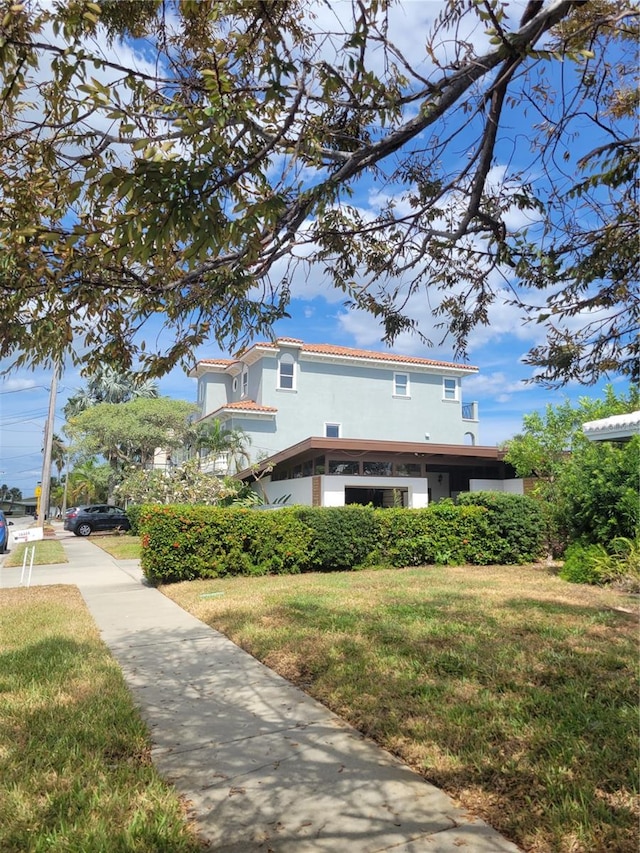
pixel 83 520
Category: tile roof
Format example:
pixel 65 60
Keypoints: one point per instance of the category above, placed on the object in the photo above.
pixel 616 426
pixel 350 352
pixel 337 351
pixel 331 349
pixel 248 406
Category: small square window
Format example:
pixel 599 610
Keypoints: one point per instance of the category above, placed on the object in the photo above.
pixel 450 389
pixel 332 430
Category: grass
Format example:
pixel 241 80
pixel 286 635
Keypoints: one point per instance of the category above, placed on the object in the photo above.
pixel 75 769
pixel 510 689
pixel 47 552
pixel 121 546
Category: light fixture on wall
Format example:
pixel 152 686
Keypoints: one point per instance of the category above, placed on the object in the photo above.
pixel 439 478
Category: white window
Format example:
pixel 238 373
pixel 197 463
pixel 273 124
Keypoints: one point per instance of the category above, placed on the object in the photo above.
pixel 286 373
pixel 450 389
pixel 400 384
pixel 332 430
pixel 245 382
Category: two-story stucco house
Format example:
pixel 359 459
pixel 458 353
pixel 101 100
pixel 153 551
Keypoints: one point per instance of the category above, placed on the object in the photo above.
pixel 333 425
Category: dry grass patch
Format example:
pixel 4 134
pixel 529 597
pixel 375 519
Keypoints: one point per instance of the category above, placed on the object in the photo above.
pixel 121 546
pixel 75 772
pixel 47 552
pixel 507 687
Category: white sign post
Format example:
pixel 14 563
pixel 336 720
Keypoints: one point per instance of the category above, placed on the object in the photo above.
pixel 31 534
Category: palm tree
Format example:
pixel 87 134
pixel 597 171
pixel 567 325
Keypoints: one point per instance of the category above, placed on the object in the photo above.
pixel 58 454
pixel 110 385
pixel 229 447
pixel 89 482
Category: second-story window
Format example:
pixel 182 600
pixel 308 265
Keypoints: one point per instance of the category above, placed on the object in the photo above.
pixel 245 382
pixel 286 373
pixel 450 389
pixel 332 430
pixel 400 384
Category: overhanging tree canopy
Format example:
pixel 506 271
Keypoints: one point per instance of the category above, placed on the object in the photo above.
pixel 185 158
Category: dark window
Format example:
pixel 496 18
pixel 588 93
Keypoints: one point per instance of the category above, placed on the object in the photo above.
pixel 376 469
pixel 409 469
pixel 344 468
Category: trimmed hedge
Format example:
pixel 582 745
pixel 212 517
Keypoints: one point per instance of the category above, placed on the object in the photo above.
pixel 133 514
pixel 516 526
pixel 186 542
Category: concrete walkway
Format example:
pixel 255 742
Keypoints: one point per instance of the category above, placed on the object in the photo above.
pixel 265 767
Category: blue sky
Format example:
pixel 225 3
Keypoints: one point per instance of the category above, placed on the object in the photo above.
pixel 318 315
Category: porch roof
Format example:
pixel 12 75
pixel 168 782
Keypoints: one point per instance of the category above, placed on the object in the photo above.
pixel 614 428
pixel 435 454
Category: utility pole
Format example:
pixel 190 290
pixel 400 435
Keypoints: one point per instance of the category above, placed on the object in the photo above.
pixel 45 495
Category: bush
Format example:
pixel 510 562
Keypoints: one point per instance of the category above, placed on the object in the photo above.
pixel 441 533
pixel 581 563
pixel 516 531
pixel 596 564
pixel 133 514
pixel 186 542
pixel 342 537
pixel 596 494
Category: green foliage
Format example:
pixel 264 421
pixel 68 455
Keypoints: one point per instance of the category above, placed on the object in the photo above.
pixel 515 530
pixel 88 483
pixel 342 537
pixel 594 564
pixel 187 542
pixel 587 490
pixel 143 188
pixel 130 433
pixel 134 512
pixel 441 533
pixel 180 484
pixel 596 497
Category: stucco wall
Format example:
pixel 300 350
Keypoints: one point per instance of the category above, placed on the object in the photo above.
pixel 514 487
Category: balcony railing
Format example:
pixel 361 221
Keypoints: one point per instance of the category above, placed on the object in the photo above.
pixel 470 411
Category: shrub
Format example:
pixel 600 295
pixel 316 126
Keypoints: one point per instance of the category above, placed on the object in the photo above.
pixel 441 533
pixel 596 495
pixel 187 542
pixel 597 564
pixel 133 514
pixel 341 537
pixel 516 526
pixel 581 563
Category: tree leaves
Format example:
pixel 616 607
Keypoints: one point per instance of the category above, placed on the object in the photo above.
pixel 181 180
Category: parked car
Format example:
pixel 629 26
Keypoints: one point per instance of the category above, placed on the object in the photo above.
pixel 4 532
pixel 83 520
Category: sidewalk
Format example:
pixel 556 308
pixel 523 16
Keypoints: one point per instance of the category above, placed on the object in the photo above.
pixel 265 767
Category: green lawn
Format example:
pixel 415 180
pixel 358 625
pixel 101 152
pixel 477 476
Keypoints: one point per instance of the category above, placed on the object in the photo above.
pixel 75 769
pixel 512 690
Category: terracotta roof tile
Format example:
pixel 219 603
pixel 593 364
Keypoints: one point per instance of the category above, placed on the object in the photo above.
pixel 346 352
pixel 247 405
pixel 331 349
